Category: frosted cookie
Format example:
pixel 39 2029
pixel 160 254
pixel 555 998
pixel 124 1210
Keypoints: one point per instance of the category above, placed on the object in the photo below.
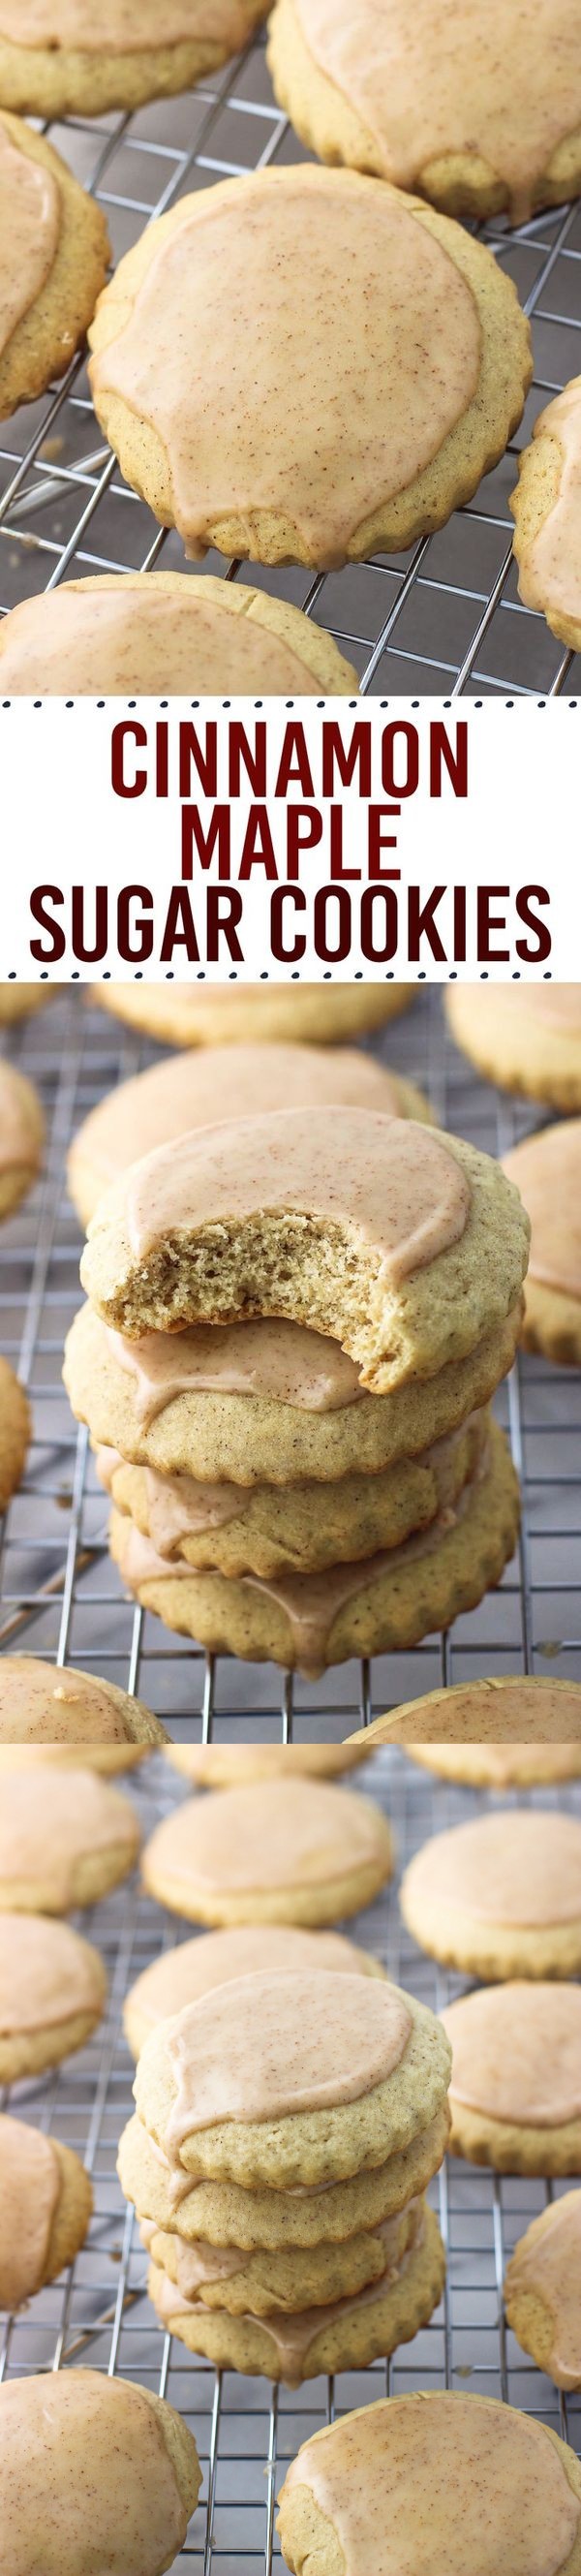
pixel 302 1853
pixel 48 1712
pixel 434 2482
pixel 54 249
pixel 515 2091
pixel 289 2079
pixel 214 1015
pixel 231 1766
pixel 201 1089
pixel 488 1721
pixel 21 1136
pixel 16 1000
pixel 262 450
pixel 92 2467
pixel 52 1994
pixel 266 1532
pixel 434 106
pixel 144 634
pixel 414 1246
pixel 542 2291
pixel 195 1967
pixel 225 2214
pixel 501 1766
pixel 547 1171
pixel 45 2206
pixel 57 58
pixel 500 1896
pixel 65 1840
pixel 309 1622
pixel 546 508
pixel 525 1036
pixel 227 2278
pixel 346 2334
pixel 15 1428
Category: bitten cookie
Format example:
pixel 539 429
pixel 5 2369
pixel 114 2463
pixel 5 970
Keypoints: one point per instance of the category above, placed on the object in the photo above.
pixel 52 1994
pixel 65 1840
pixel 215 1015
pixel 515 2089
pixel 542 2291
pixel 60 58
pixel 195 1967
pixel 92 2467
pixel 48 1712
pixel 484 1730
pixel 298 1853
pixel 144 634
pixel 225 2213
pixel 21 1137
pixel 500 1896
pixel 45 2206
pixel 546 509
pixel 54 249
pixel 318 428
pixel 434 2482
pixel 15 1428
pixel 347 2334
pixel 547 1171
pixel 525 1036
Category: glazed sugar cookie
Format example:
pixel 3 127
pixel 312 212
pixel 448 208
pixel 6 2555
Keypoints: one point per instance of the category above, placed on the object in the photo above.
pixel 294 2346
pixel 15 1427
pixel 232 1766
pixel 92 2467
pixel 48 1711
pixel 57 58
pixel 52 1994
pixel 308 1622
pixel 262 450
pixel 228 1082
pixel 293 2278
pixel 525 1036
pixel 195 1967
pixel 138 634
pixel 65 1840
pixel 21 1137
pixel 547 1171
pixel 488 1721
pixel 302 1853
pixel 433 106
pixel 501 1766
pixel 18 999
pixel 286 2079
pixel 54 249
pixel 542 2291
pixel 254 1014
pixel 546 508
pixel 414 1246
pixel 45 2206
pixel 224 2213
pixel 515 2092
pixel 437 2483
pixel 500 1896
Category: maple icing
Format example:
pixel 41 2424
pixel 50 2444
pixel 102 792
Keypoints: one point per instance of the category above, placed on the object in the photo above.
pixel 52 1820
pixel 439 2484
pixel 265 2047
pixel 130 642
pixel 293 2331
pixel 520 1867
pixel 516 2053
pixel 30 2190
pixel 30 216
pixel 395 1186
pixel 82 2454
pixel 517 1711
pixel 47 1974
pixel 547 1171
pixel 214 1958
pixel 263 1836
pixel 278 1362
pixel 118 27
pixel 552 561
pixel 196 1090
pixel 547 2262
pixel 53 1704
pixel 377 363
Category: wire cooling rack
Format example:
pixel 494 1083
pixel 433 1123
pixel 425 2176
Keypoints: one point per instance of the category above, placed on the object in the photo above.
pixel 444 618
pixel 99 2316
pixel 60 1595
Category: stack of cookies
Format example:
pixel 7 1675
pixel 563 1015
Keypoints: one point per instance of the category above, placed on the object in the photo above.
pixel 288 2121
pixel 295 1323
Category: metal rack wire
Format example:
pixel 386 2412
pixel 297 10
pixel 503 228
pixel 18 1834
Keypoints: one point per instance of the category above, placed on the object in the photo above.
pixel 446 618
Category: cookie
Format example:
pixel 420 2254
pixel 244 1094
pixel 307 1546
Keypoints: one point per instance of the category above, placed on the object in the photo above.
pixel 52 1994
pixel 488 1721
pixel 18 999
pixel 295 2078
pixel 223 2213
pixel 547 1171
pixel 546 509
pixel 266 1532
pixel 48 1711
pixel 57 58
pixel 195 1967
pixel 500 1896
pixel 435 2482
pixel 501 1766
pixel 65 1840
pixel 292 2278
pixel 309 1622
pixel 527 1037
pixel 434 106
pixel 21 1137
pixel 231 1766
pixel 93 2468
pixel 346 2335
pixel 302 1853
pixel 144 634
pixel 45 2206
pixel 218 1015
pixel 542 2290
pixel 201 1089
pixel 15 1429
pixel 405 1247
pixel 54 248
pixel 515 2091
pixel 306 435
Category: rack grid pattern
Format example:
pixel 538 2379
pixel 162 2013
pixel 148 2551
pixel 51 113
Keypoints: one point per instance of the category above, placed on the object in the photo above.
pixel 445 618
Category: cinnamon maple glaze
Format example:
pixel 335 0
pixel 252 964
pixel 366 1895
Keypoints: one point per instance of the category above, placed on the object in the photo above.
pixel 196 1967
pixel 280 1362
pixel 516 2053
pixel 29 2196
pixel 201 1088
pixel 55 1706
pixel 125 642
pixel 53 1820
pixel 120 26
pixel 392 1183
pixel 547 2263
pixel 317 407
pixel 552 564
pixel 547 1171
pixel 501 82
pixel 86 2456
pixel 266 2047
pixel 30 214
pixel 440 2485
pixel 264 1836
pixel 523 1868
pixel 47 1975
